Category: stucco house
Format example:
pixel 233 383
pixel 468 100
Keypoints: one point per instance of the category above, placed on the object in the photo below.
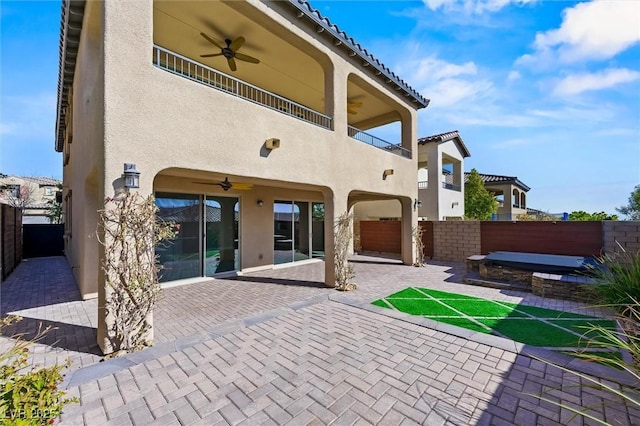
pixel 33 195
pixel 252 117
pixel 440 181
pixel 510 192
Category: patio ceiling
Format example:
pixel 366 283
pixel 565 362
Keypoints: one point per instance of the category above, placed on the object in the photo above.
pixel 289 66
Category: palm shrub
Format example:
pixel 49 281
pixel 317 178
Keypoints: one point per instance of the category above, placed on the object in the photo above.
pixel 618 281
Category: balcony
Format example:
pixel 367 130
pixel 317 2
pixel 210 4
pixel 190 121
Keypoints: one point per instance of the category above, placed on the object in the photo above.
pixel 361 136
pixel 451 186
pixel 194 71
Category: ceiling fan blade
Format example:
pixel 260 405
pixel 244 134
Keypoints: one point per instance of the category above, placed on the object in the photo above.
pixel 351 111
pixel 232 64
pixel 242 186
pixel 247 58
pixel 237 43
pixel 354 104
pixel 212 41
pixel 211 55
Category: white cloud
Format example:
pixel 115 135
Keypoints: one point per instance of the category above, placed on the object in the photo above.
pixel 578 83
pixel 446 83
pixel 471 6
pixel 513 76
pixel 594 30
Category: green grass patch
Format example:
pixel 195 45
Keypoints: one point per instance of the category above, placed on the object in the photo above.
pixel 380 303
pixel 483 308
pixel 407 293
pixel 545 313
pixel 421 307
pixel 586 327
pixel 443 295
pixel 462 322
pixel 533 332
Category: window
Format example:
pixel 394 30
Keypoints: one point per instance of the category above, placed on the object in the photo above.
pixel 13 191
pixel 68 207
pixel 48 191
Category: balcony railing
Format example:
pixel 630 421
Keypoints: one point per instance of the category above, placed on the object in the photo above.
pixel 451 186
pixel 185 67
pixel 377 142
pixel 423 184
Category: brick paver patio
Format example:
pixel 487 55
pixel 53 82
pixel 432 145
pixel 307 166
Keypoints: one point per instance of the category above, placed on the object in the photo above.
pixel 276 347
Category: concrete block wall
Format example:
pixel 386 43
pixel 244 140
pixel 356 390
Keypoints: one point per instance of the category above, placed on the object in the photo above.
pixel 454 241
pixel 625 234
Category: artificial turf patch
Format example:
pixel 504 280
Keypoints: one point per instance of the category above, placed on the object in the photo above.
pixel 407 293
pixel 443 295
pixel 462 322
pixel 585 327
pixel 533 332
pixel 543 312
pixel 483 308
pixel 422 307
pixel 508 319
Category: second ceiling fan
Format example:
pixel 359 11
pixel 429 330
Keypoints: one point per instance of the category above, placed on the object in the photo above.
pixel 230 51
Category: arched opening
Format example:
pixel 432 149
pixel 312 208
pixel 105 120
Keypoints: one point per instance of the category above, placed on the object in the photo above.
pixel 516 198
pixel 523 201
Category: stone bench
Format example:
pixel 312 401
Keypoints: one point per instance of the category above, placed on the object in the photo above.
pixel 473 262
pixel 560 286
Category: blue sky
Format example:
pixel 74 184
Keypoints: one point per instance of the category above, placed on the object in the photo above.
pixel 548 91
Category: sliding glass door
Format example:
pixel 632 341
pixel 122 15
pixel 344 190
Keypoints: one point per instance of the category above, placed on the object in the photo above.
pixel 206 241
pixel 221 235
pixel 295 232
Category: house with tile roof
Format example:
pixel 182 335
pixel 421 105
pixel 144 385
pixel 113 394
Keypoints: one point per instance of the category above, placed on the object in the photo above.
pixel 510 192
pixel 440 182
pixel 263 110
pixel 33 195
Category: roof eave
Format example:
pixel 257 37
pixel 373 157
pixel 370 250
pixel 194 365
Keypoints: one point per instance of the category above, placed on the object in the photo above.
pixel 341 38
pixel 70 28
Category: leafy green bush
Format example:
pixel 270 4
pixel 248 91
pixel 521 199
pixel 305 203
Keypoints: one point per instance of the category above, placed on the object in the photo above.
pixel 29 397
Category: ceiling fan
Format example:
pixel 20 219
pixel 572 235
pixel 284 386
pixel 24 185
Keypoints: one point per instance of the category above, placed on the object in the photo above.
pixel 352 107
pixel 230 51
pixel 226 185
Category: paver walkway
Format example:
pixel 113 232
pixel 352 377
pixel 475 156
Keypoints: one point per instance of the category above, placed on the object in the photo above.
pixel 266 349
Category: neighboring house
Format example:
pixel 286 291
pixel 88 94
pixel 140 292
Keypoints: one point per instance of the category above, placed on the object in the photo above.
pixel 174 88
pixel 510 192
pixel 440 160
pixel 32 195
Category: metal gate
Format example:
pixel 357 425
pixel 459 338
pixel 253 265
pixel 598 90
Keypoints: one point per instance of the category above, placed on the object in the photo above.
pixel 42 240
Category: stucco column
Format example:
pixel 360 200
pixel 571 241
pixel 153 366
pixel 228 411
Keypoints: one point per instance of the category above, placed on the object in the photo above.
pixel 409 221
pixel 335 204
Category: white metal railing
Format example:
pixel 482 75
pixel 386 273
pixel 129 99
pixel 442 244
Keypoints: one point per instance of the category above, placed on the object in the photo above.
pixel 185 67
pixel 377 142
pixel 423 184
pixel 451 186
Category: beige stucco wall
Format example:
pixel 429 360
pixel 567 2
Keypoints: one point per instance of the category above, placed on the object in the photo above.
pixel 177 131
pixel 449 203
pixel 374 210
pixel 83 175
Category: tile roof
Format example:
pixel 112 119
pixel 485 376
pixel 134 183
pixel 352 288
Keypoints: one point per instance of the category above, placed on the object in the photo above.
pixel 499 179
pixel 341 38
pixel 42 181
pixel 445 137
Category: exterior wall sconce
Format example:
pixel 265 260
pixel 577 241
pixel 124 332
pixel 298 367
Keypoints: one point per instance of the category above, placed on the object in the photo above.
pixel 273 143
pixel 455 203
pixel 416 203
pixel 387 172
pixel 131 176
pixel 260 203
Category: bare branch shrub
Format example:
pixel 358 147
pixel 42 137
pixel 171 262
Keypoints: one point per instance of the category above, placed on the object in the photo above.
pixel 130 230
pixel 342 237
pixel 417 233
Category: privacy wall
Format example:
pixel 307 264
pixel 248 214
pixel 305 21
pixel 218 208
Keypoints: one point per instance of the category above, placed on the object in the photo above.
pixel 456 240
